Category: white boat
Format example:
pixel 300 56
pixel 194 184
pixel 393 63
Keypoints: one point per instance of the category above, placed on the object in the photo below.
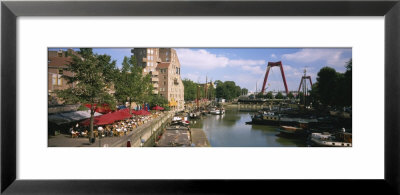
pixel 327 139
pixel 217 111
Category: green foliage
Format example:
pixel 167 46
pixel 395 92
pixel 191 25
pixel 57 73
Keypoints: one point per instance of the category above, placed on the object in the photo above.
pixel 290 95
pixel 130 84
pixel 333 88
pixel 279 95
pixel 245 91
pixel 260 95
pixel 227 90
pixel 269 95
pixel 92 77
pixel 301 96
pixel 327 80
pixel 82 108
pixel 158 100
pixel 190 90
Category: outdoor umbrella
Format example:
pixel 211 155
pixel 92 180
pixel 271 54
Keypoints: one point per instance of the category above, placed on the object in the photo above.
pixel 100 120
pixel 157 108
pixel 142 112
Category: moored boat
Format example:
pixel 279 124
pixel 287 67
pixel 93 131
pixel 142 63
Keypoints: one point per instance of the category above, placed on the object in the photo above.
pixel 195 115
pixel 341 139
pixel 271 118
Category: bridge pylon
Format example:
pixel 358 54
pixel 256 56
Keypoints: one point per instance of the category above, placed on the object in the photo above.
pixel 270 65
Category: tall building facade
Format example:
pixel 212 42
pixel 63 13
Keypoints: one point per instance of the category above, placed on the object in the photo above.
pixel 165 69
pixel 148 59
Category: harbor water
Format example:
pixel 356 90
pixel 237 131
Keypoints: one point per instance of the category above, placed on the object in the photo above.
pixel 231 130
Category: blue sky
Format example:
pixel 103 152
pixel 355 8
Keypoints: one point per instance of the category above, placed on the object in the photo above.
pixel 247 66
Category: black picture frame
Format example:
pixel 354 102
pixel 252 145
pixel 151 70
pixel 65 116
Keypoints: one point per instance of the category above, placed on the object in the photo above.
pixel 10 10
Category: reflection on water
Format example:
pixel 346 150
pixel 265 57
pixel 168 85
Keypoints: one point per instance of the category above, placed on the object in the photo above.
pixel 230 130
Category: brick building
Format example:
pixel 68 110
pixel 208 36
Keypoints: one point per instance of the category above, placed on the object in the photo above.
pixel 170 82
pixel 164 67
pixel 148 59
pixel 57 63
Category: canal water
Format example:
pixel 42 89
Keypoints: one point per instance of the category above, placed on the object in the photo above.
pixel 230 130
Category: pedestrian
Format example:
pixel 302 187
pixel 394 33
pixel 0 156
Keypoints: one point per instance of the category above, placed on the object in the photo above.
pixel 100 129
pixel 128 144
pixel 125 130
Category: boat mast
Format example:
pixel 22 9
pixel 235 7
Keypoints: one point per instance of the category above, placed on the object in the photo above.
pixel 304 87
pixel 197 98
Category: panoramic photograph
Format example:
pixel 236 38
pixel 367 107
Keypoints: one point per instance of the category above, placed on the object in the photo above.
pixel 199 97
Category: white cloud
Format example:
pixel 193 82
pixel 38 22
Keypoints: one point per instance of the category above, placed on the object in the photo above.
pixel 204 60
pixel 194 77
pixel 253 69
pixel 297 73
pixel 273 56
pixel 246 62
pixel 332 57
pixel 200 59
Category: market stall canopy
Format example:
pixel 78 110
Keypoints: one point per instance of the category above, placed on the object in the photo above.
pixel 67 117
pixel 109 118
pixel 157 108
pixel 141 112
pixel 104 108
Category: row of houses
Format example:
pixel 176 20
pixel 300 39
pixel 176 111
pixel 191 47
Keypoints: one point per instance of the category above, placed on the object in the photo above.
pixel 161 63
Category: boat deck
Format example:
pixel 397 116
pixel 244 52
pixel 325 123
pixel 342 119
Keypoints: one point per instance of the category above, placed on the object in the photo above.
pixel 172 138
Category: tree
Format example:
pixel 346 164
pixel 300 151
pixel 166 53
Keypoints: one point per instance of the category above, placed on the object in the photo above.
pixel 300 96
pixel 227 90
pixel 348 83
pixel 260 95
pixel 327 81
pixel 131 85
pixel 245 91
pixel 211 92
pixel 279 96
pixel 158 100
pixel 269 95
pixel 290 95
pixel 333 88
pixel 92 77
pixel 190 89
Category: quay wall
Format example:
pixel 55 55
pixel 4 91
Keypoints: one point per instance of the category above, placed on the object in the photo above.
pixel 145 132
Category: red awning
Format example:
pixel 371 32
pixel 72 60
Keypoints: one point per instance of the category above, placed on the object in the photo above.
pixel 104 108
pixel 142 112
pixel 157 108
pixel 108 118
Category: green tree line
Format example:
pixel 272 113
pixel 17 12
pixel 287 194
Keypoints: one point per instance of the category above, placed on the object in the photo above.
pixel 333 88
pixel 229 90
pixel 190 90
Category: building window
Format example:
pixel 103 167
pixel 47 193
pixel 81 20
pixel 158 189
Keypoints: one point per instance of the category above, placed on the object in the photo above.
pixel 56 79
